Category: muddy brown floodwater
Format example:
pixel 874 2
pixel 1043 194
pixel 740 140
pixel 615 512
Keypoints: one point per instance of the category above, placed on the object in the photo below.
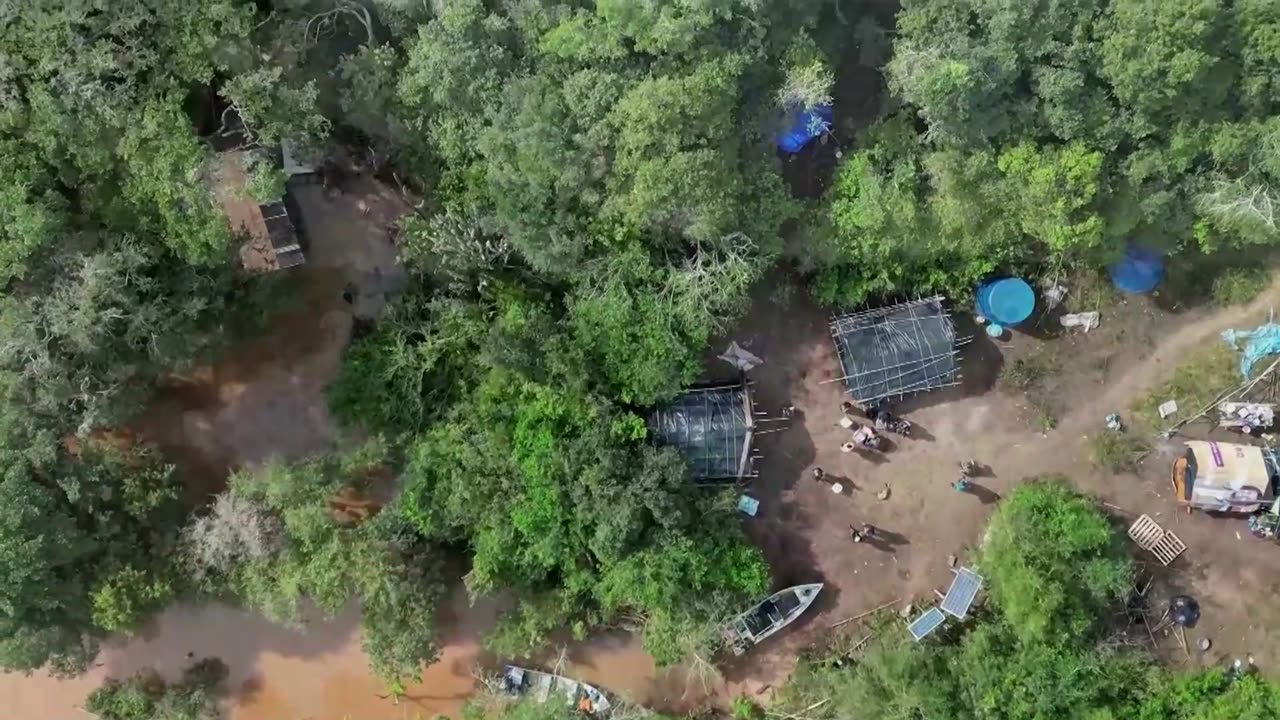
pixel 319 671
pixel 266 398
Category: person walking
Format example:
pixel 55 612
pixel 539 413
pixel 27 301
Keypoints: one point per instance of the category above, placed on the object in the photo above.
pixel 967 469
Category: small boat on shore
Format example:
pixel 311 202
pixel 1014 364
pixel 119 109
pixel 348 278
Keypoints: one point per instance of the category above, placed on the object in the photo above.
pixel 541 687
pixel 774 613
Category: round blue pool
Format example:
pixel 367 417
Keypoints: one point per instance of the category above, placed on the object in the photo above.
pixel 1007 301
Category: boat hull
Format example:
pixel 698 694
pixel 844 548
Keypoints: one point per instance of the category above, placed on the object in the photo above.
pixel 769 616
pixel 543 687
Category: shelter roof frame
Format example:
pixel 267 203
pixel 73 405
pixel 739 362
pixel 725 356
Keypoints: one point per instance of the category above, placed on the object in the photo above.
pixel 713 428
pixel 897 350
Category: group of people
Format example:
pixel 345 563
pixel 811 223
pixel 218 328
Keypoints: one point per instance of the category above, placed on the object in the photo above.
pixel 867 531
pixel 883 419
pixel 856 533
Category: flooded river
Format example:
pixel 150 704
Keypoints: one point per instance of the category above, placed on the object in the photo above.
pixel 320 673
pixel 267 399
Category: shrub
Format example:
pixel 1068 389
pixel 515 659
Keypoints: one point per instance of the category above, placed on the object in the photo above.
pixel 1237 286
pixel 1027 373
pixel 1052 562
pixel 145 696
pixel 744 708
pixel 1118 451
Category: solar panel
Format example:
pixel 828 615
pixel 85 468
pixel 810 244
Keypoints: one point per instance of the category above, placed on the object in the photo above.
pixel 922 626
pixel 964 588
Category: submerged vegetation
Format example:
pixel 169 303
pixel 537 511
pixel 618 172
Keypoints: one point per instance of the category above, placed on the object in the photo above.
pixel 596 190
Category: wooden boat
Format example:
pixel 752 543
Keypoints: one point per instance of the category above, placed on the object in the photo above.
pixel 541 687
pixel 774 613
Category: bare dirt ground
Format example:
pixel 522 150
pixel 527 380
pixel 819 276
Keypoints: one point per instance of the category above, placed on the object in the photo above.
pixel 803 525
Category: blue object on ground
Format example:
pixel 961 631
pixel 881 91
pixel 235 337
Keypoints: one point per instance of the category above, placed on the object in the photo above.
pixel 923 626
pixel 1262 341
pixel 1139 272
pixel 748 505
pixel 1007 301
pixel 995 330
pixel 806 124
pixel 963 591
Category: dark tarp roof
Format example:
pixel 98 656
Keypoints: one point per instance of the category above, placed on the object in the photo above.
pixel 896 350
pixel 711 427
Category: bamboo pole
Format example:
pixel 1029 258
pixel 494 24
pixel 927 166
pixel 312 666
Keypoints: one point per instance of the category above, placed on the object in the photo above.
pixel 797 715
pixel 862 615
pixel 861 642
pixel 1242 389
pixel 1154 644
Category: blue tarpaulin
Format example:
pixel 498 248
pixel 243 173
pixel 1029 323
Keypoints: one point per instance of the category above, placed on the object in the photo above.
pixel 1139 272
pixel 805 126
pixel 1262 341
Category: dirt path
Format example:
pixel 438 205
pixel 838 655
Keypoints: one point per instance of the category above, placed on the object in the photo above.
pixel 1156 367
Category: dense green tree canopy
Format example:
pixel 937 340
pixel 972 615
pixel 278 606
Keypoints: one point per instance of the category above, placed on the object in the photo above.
pixel 1106 122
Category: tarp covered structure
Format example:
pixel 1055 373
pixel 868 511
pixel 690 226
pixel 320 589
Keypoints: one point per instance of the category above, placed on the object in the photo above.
pixel 1139 271
pixel 712 428
pixel 1225 477
pixel 897 350
pixel 805 125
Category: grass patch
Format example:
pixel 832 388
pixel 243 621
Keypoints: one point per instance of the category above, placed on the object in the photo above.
pixel 1030 376
pixel 1118 451
pixel 1030 372
pixel 1089 289
pixel 1237 286
pixel 1044 412
pixel 1205 375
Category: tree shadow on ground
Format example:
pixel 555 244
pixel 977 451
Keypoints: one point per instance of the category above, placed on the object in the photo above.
pixel 985 495
pixel 1193 279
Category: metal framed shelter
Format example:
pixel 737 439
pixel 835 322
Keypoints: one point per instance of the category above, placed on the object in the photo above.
pixel 897 350
pixel 712 427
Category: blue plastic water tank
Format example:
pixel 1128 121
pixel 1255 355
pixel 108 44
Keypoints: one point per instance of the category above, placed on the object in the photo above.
pixel 1140 271
pixel 1006 301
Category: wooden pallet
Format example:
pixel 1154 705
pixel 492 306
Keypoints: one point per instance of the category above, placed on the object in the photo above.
pixel 1168 548
pixel 1156 540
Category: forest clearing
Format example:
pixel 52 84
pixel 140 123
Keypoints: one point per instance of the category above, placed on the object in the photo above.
pixel 532 360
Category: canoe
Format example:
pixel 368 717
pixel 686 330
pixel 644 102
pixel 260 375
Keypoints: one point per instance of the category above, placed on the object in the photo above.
pixel 769 616
pixel 541 687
